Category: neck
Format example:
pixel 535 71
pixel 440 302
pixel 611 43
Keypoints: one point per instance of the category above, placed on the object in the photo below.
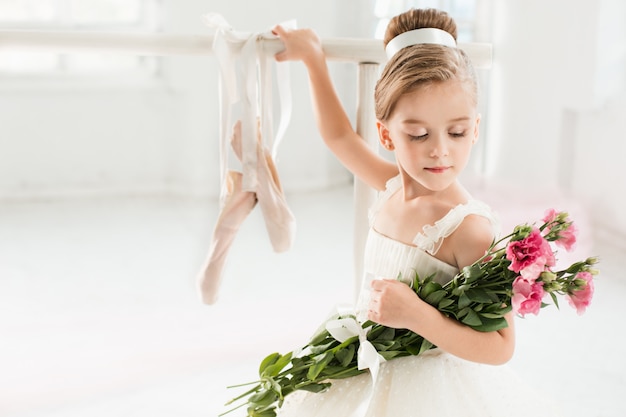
pixel 412 189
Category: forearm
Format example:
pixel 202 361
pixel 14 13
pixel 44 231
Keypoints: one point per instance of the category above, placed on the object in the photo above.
pixel 332 121
pixel 448 334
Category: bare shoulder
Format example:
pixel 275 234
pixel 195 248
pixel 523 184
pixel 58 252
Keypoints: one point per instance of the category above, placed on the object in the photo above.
pixel 471 239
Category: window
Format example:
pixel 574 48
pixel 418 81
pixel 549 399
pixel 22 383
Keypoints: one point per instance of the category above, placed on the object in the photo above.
pixel 76 15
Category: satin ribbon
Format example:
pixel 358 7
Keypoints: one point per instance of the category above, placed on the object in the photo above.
pixel 367 356
pixel 344 328
pixel 242 52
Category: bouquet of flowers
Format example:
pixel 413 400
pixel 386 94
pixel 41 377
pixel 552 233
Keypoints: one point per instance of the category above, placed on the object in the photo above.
pixel 515 274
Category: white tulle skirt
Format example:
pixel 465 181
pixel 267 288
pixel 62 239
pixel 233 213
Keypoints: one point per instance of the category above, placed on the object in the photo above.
pixel 434 384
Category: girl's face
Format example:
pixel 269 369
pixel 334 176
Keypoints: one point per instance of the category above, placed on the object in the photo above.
pixel 432 130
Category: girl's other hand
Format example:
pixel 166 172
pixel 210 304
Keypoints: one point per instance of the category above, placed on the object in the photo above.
pixel 300 45
pixel 392 303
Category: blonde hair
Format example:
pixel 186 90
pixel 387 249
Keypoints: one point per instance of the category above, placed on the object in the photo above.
pixel 422 64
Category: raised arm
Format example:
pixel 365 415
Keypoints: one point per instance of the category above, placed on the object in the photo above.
pixel 333 123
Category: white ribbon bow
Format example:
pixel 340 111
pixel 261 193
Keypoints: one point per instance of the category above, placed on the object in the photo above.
pixel 229 47
pixel 367 356
pixel 343 329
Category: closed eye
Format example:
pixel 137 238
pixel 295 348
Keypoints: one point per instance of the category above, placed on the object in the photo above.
pixel 457 134
pixel 420 137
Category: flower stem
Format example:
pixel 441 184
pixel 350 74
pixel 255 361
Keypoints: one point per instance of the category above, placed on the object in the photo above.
pixel 232 409
pixel 250 391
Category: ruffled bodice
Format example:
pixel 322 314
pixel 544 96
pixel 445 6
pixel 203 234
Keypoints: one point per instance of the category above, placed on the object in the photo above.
pixel 389 258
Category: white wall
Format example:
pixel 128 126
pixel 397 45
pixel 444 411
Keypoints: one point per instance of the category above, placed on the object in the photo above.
pixel 111 138
pixel 554 118
pixel 558 78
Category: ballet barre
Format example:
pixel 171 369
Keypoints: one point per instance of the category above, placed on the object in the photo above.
pixel 358 50
pixel 368 54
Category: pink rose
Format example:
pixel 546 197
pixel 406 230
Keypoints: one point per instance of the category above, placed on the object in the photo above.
pixel 530 256
pixel 527 296
pixel 580 299
pixel 565 238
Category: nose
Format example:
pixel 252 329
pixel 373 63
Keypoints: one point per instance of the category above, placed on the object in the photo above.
pixel 439 147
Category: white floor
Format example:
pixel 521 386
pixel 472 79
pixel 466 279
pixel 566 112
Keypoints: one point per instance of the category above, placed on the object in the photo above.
pixel 99 314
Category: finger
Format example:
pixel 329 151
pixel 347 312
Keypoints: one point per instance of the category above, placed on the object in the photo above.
pixel 381 283
pixel 279 31
pixel 376 284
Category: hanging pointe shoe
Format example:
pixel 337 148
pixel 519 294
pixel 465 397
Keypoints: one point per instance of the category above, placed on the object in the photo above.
pixel 279 220
pixel 237 205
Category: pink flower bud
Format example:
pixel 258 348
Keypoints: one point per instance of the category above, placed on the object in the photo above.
pixel 581 298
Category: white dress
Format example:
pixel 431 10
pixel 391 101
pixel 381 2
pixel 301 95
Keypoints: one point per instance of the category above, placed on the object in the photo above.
pixel 435 383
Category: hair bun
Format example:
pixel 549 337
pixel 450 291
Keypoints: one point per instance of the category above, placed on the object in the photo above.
pixel 420 19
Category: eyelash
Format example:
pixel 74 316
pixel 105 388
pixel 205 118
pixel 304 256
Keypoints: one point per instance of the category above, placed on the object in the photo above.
pixel 424 136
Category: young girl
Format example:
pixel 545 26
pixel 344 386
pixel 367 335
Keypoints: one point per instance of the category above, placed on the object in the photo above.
pixel 424 221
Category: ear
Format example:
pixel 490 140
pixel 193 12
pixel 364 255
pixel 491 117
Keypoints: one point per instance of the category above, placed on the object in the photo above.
pixel 476 129
pixel 383 136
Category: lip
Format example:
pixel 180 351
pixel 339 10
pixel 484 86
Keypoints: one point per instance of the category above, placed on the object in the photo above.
pixel 437 170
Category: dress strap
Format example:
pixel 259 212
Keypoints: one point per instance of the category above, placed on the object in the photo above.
pixel 431 237
pixel 391 187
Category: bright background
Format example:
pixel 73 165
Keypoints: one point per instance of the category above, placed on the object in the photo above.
pixel 109 176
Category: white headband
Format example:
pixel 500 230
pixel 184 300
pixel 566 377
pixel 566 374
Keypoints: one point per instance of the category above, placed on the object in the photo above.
pixel 417 36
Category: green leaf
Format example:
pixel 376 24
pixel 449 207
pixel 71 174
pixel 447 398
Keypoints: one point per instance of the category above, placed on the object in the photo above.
pixel 414 350
pixel 390 354
pixel 323 348
pixel 278 389
pixel 491 315
pixel 319 337
pixel 345 356
pixel 269 360
pixel 435 297
pixel 263 398
pixel 429 288
pixel 491 324
pixel 319 365
pixel 464 301
pixel 314 387
pixel 369 323
pixel 446 302
pixel 462 313
pixel 261 412
pixel 375 331
pixel 555 300
pixel 275 368
pixel 497 309
pixel 472 273
pixel 339 373
pixel 480 296
pixel 383 345
pixel 426 345
pixel 416 282
pixel 472 319
pixel 387 334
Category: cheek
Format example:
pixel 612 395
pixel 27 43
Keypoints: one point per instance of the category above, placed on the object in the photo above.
pixel 464 152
